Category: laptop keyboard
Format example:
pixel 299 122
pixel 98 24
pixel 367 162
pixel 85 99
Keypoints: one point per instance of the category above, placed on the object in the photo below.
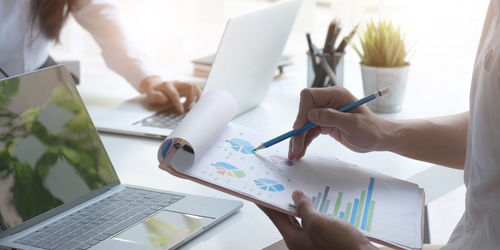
pixel 161 120
pixel 90 225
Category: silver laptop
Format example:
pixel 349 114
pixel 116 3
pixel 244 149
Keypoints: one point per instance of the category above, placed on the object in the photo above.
pixel 58 189
pixel 244 65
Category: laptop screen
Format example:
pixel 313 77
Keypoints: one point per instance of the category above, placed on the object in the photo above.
pixel 50 153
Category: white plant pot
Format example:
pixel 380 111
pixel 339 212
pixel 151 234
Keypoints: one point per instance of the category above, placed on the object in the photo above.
pixel 375 78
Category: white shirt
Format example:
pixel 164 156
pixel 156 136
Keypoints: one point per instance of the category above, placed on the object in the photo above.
pixel 479 227
pixel 23 48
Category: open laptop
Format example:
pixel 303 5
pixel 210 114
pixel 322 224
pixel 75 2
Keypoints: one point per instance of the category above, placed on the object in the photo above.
pixel 244 65
pixel 59 190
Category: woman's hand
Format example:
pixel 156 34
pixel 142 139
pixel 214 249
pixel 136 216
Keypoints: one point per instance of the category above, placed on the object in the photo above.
pixel 158 91
pixel 317 231
pixel 359 129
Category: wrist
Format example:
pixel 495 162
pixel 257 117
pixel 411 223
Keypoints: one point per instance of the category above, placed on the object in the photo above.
pixel 390 135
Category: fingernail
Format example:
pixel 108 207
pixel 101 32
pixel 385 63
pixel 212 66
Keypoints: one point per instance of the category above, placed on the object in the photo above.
pixel 292 142
pixel 296 195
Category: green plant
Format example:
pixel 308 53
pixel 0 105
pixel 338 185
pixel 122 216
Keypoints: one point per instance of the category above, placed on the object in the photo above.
pixel 383 45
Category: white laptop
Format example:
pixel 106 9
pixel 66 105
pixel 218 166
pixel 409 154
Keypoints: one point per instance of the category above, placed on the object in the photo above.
pixel 244 65
pixel 59 190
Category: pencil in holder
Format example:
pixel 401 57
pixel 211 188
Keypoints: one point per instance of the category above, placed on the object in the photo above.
pixel 317 76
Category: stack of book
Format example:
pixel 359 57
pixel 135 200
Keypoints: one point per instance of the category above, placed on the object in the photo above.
pixel 203 65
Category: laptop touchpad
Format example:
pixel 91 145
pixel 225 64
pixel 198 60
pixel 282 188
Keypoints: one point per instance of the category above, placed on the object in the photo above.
pixel 163 230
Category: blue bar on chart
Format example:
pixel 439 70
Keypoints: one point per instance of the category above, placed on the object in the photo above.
pixel 316 201
pixel 323 200
pixel 354 210
pixel 321 203
pixel 367 203
pixel 325 209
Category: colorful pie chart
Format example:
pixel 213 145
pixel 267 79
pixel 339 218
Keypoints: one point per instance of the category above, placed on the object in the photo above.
pixel 227 169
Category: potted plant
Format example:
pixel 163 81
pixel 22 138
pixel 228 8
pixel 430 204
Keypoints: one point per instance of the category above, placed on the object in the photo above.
pixel 384 64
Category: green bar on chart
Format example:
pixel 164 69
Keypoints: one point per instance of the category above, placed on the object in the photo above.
pixel 358 213
pixel 370 216
pixel 347 211
pixel 337 204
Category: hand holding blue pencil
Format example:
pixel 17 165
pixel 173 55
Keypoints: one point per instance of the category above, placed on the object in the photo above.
pixel 310 125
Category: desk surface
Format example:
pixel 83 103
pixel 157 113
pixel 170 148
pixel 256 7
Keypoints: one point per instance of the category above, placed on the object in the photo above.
pixel 135 160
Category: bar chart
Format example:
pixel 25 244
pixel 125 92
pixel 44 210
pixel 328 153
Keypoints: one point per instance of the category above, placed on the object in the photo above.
pixel 358 213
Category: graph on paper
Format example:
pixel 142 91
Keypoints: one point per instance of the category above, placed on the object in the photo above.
pixel 357 212
pixel 240 145
pixel 269 185
pixel 224 168
pixel 339 189
pixel 235 164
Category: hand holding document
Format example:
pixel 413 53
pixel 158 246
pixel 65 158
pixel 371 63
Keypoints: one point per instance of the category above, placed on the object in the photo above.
pixel 208 149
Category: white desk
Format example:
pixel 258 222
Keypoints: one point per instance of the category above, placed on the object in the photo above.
pixel 135 158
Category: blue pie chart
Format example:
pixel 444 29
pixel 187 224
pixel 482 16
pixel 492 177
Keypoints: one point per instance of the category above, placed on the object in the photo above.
pixel 242 146
pixel 268 185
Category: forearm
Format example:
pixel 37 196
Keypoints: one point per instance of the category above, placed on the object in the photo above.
pixel 439 140
pixel 103 20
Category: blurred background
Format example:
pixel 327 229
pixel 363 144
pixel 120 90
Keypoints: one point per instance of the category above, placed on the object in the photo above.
pixel 444 35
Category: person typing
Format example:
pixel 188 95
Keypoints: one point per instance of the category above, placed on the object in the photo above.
pixel 30 26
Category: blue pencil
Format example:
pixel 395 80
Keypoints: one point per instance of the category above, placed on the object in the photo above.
pixel 310 125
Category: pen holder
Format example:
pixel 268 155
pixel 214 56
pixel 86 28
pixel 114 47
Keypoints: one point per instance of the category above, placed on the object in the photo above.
pixel 317 76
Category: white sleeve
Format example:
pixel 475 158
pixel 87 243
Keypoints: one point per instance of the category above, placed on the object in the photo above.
pixel 102 19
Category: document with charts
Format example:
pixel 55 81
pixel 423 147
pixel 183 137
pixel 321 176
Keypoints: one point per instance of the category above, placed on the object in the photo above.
pixel 208 149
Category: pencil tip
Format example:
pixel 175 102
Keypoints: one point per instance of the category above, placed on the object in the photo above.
pixel 258 148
